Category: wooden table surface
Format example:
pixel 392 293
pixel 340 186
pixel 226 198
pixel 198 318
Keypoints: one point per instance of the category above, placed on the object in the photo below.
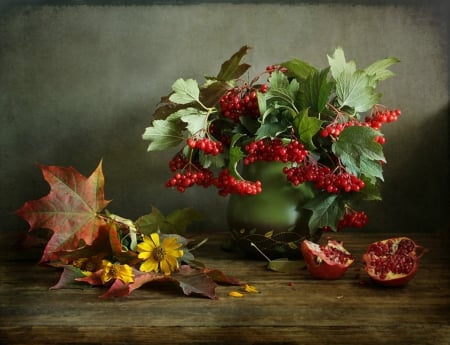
pixel 291 308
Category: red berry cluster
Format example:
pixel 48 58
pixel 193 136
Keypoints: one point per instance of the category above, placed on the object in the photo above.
pixel 323 178
pixel 375 121
pixel 239 102
pixel 187 174
pixel 352 219
pixel 379 117
pixel 206 145
pixel 275 150
pixel 228 184
pixel 272 68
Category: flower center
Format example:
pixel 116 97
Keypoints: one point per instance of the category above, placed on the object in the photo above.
pixel 159 254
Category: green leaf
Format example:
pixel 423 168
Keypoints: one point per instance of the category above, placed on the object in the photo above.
pixel 354 90
pixel 273 125
pixel 151 222
pixel 298 68
pixel 285 265
pixel 196 123
pixel 232 68
pixel 281 88
pixel 378 71
pixel 207 160
pixel 307 127
pixel 338 64
pixel 316 91
pixel 371 190
pixel 180 219
pixel 326 209
pixel 235 156
pixel 211 93
pixel 175 223
pixel 185 91
pixel 356 147
pixel 163 134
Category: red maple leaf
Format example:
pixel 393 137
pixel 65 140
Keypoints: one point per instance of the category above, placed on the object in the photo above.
pixel 71 209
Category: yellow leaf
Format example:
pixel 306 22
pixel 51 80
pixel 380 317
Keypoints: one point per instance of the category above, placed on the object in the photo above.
pixel 268 234
pixel 292 245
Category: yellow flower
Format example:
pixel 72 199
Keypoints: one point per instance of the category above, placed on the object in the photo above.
pixel 116 271
pixel 88 265
pixel 159 257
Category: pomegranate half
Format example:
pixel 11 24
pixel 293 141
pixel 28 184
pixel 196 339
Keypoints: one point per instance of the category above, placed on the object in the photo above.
pixel 328 261
pixel 393 262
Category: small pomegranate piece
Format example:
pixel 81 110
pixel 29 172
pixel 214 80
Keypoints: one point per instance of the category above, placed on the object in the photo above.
pixel 328 261
pixel 394 261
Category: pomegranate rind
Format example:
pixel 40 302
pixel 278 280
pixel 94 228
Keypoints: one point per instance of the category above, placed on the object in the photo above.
pixel 391 279
pixel 319 265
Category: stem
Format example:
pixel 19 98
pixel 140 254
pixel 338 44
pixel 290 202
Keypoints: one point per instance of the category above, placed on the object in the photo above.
pixel 260 252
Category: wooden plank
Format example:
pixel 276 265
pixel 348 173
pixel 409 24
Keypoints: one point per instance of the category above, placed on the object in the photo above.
pixel 290 308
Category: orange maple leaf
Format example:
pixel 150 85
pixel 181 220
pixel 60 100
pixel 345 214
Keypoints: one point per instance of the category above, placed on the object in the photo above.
pixel 71 209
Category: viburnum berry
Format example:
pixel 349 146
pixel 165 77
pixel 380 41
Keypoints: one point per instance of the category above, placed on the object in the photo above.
pixel 379 117
pixel 228 184
pixel 239 101
pixel 186 174
pixel 206 145
pixel 275 150
pixel 351 219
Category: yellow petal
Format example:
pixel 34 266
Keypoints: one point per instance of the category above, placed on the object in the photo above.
pixel 165 267
pixel 235 294
pixel 172 262
pixel 175 253
pixel 149 266
pixel 146 246
pixel 155 238
pixel 125 274
pixel 144 255
pixel 250 288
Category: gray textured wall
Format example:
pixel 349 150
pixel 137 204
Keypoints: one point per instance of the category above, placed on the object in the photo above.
pixel 79 83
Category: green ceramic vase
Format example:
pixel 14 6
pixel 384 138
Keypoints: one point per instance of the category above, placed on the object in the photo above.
pixel 272 220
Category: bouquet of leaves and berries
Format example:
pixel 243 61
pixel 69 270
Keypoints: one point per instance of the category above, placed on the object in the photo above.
pixel 96 247
pixel 324 124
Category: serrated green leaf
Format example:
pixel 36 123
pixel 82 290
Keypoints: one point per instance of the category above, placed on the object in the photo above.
pixel 235 156
pixel 273 125
pixel 298 68
pixel 196 123
pixel 307 127
pixel 353 90
pixel 356 148
pixel 163 134
pixel 326 209
pixel 371 190
pixel 338 64
pixel 316 91
pixel 185 91
pixel 372 168
pixel 378 71
pixel 281 88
